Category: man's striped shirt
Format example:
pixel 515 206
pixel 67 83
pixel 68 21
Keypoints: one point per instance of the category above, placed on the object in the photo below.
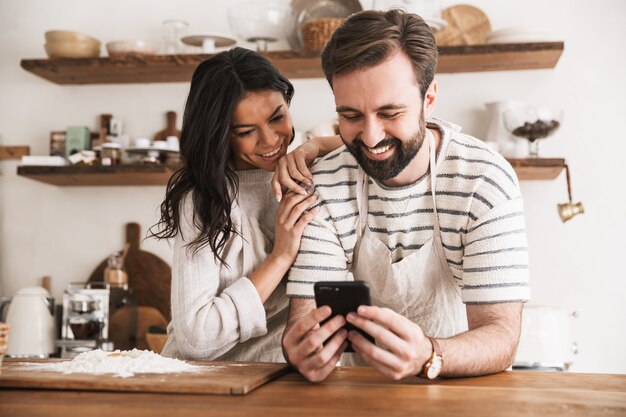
pixel 480 214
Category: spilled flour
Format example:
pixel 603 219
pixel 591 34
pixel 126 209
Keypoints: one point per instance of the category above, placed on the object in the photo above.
pixel 123 364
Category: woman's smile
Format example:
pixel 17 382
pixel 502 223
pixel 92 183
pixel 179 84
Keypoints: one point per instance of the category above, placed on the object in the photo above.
pixel 272 153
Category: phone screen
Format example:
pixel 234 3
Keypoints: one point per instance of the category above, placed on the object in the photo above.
pixel 343 297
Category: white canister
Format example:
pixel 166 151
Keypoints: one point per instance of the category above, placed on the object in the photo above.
pixel 546 340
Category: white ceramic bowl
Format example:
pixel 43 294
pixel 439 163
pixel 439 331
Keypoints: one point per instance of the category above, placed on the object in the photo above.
pixel 518 35
pixel 138 47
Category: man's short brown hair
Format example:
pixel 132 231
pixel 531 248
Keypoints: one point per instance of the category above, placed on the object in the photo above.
pixel 367 38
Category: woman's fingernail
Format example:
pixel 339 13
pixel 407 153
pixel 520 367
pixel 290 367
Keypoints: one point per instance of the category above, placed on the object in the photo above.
pixel 278 198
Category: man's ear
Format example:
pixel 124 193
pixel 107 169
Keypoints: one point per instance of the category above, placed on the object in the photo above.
pixel 430 99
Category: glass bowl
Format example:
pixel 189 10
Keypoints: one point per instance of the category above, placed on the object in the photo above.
pixel 532 123
pixel 260 22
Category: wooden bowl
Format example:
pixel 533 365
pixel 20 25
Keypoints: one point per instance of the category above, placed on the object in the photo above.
pixel 68 35
pixel 72 49
pixel 4 329
pixel 156 341
pixel 4 341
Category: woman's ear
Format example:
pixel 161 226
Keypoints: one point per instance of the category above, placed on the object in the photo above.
pixel 430 99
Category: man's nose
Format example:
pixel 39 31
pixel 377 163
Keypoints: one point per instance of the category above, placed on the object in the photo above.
pixel 373 132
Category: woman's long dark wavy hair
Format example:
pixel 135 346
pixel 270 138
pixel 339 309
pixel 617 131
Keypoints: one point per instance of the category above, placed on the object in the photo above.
pixel 217 85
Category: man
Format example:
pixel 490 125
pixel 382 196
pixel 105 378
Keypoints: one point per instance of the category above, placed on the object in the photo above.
pixel 431 218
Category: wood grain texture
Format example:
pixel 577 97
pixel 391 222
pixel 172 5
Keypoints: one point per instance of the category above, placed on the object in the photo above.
pixel 179 68
pixel 14 152
pixel 537 168
pixel 148 275
pixel 129 325
pixel 467 25
pixel 213 378
pixel 170 128
pixel 98 175
pixel 354 392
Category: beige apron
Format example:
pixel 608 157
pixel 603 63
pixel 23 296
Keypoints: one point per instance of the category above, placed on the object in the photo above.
pixel 421 286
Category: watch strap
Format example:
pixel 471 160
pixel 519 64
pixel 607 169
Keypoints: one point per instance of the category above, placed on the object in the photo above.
pixel 437 353
pixel 436 347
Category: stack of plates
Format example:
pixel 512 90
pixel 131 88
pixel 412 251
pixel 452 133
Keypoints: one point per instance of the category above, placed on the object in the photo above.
pixel 518 35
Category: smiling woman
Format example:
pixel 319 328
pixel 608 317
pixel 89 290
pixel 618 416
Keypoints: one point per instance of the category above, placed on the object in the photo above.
pixel 262 130
pixel 234 242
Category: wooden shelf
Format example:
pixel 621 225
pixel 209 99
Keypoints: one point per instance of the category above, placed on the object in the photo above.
pixel 537 168
pixel 77 175
pixel 179 68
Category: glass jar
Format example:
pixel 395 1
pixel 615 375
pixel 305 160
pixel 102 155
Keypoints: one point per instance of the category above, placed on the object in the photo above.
pixel 114 273
pixel 173 31
pixel 111 153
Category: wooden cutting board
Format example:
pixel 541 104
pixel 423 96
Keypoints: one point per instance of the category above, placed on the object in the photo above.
pixel 230 378
pixel 148 275
pixel 467 25
pixel 129 325
pixel 170 128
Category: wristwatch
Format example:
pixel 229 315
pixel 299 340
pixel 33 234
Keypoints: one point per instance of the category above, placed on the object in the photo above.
pixel 433 366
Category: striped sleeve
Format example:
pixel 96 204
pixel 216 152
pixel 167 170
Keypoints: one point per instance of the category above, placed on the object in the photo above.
pixel 321 258
pixel 495 262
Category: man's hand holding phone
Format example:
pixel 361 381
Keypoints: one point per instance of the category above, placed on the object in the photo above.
pixel 403 348
pixel 306 346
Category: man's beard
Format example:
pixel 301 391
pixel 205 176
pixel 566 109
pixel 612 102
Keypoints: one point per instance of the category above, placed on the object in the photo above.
pixel 403 153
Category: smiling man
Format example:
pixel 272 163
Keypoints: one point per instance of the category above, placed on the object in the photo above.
pixel 430 218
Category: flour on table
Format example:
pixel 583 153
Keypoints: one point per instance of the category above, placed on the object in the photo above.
pixel 123 364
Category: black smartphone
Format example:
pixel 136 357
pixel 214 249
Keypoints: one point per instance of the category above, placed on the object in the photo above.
pixel 343 297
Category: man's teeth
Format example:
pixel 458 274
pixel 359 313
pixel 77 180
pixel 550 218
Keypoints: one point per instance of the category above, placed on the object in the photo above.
pixel 272 153
pixel 376 151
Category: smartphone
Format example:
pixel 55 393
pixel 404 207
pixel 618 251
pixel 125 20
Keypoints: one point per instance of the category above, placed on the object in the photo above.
pixel 343 297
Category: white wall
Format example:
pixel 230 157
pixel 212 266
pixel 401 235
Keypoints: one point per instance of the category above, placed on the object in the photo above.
pixel 65 232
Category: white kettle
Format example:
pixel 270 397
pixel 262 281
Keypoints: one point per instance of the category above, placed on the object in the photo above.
pixel 30 315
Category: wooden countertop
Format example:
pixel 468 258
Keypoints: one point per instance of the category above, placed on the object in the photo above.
pixel 352 392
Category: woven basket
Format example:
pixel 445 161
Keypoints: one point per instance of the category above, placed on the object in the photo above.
pixel 316 33
pixel 4 341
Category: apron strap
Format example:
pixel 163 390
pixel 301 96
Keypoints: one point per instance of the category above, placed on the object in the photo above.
pixel 433 181
pixel 441 254
pixel 362 196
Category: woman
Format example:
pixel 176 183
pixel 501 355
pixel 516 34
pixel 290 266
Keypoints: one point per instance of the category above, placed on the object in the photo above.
pixel 234 242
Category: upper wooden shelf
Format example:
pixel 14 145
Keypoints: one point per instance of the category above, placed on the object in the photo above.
pixel 88 175
pixel 179 68
pixel 77 175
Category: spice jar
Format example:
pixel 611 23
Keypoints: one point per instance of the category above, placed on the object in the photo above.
pixel 114 273
pixel 111 153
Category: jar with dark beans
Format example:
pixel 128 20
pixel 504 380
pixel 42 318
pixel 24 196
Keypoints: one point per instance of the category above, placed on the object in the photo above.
pixel 537 130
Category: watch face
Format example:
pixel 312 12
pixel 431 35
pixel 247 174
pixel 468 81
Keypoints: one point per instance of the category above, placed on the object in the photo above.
pixel 435 368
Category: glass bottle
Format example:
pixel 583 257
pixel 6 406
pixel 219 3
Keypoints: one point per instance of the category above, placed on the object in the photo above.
pixel 114 273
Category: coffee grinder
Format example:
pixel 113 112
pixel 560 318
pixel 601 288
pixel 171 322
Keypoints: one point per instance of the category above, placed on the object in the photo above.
pixel 85 323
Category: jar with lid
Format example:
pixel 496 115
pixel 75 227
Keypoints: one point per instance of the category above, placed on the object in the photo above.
pixel 114 273
pixel 111 153
pixel 83 318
